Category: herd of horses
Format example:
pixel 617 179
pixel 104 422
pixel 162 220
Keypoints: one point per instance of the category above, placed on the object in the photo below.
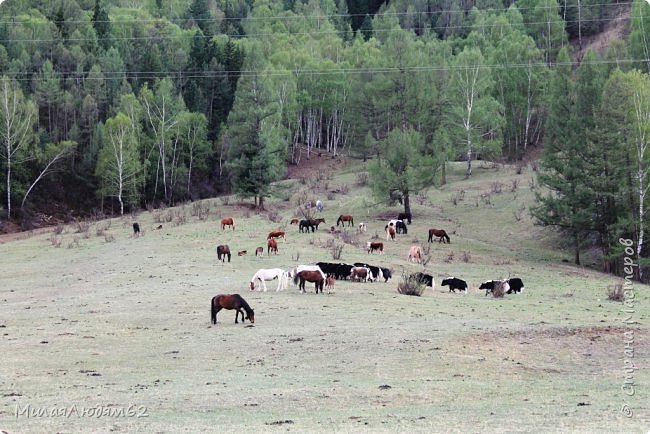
pixel 325 274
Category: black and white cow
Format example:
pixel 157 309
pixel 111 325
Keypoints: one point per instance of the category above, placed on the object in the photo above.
pixel 387 273
pixel 424 278
pixel 454 284
pixel 489 286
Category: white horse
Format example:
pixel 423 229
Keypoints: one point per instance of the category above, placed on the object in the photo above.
pixel 363 227
pixel 266 274
pixel 319 205
pixel 292 273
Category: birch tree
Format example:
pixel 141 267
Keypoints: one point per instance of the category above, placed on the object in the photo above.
pixel 118 165
pixel 18 117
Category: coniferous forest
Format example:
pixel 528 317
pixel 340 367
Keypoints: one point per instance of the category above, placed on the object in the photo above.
pixel 112 105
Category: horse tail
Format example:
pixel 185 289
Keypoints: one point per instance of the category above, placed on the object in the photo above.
pixel 213 311
pixel 296 277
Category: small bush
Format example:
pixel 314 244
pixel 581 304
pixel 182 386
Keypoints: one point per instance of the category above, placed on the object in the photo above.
pixel 181 218
pixel 467 257
pixel 362 179
pixel 109 238
pixel 331 195
pixel 497 187
pixel 499 290
pixel 514 184
pixel 55 241
pixel 74 243
pixel 169 216
pixel 519 213
pixel 225 200
pixel 616 292
pixel 157 217
pixel 410 286
pixel 82 227
pixel 336 250
pixel 344 189
pixel 421 198
pixel 58 229
pixel 450 257
pixel 274 216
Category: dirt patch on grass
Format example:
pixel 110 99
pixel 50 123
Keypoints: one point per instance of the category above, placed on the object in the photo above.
pixel 558 349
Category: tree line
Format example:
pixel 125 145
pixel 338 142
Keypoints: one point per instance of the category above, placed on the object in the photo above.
pixel 121 104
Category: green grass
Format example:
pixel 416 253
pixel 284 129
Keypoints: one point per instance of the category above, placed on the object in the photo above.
pixel 101 323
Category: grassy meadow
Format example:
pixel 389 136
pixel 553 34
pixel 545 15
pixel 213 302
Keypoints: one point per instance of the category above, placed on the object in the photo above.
pixel 93 318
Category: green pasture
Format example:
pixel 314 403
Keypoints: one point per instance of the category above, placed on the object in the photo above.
pixel 100 319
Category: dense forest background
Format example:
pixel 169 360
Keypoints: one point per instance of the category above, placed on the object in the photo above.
pixel 107 106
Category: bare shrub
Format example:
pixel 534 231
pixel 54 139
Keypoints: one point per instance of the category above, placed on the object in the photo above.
pixel 410 286
pixel 450 257
pixel 274 216
pixel 344 189
pixel 466 257
pixel 532 184
pixel 503 261
pixel 181 218
pixel 421 198
pixel 616 292
pixel 102 227
pixel 169 216
pixel 58 229
pixel 248 214
pixel 362 179
pixel 499 289
pixel 201 210
pixel 331 195
pixel 533 165
pixel 348 237
pixel 74 243
pixel 514 183
pixel 225 200
pixel 496 187
pixel 55 241
pixel 109 238
pixel 487 199
pixel 82 227
pixel 158 217
pixel 337 250
pixel 519 168
pixel 519 213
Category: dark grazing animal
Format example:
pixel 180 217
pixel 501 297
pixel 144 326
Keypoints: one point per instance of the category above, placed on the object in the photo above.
pixel 136 229
pixel 425 279
pixel 272 246
pixel 490 285
pixel 454 284
pixel 227 221
pixel 294 221
pixel 400 227
pixel 345 218
pixel 361 273
pixel 242 253
pixel 312 224
pixel 404 216
pixel 440 233
pixel 516 285
pixel 231 301
pixel 222 252
pixel 259 251
pixel 387 273
pixel 309 276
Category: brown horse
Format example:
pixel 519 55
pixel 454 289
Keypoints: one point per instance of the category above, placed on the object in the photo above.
pixel 227 221
pixel 294 221
pixel 309 276
pixel 277 234
pixel 329 284
pixel 440 233
pixel 259 251
pixel 415 254
pixel 345 218
pixel 231 301
pixel 222 252
pixel 272 246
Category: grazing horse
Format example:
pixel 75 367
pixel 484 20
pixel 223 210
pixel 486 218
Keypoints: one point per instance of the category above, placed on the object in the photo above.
pixel 266 274
pixel 390 232
pixel 294 221
pixel 372 246
pixel 272 246
pixel 454 284
pixel 136 229
pixel 277 234
pixel 222 252
pixel 345 218
pixel 404 216
pixel 259 251
pixel 319 205
pixel 305 225
pixel 316 222
pixel 310 276
pixel 242 253
pixel 415 254
pixel 399 225
pixel 440 233
pixel 227 221
pixel 231 301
